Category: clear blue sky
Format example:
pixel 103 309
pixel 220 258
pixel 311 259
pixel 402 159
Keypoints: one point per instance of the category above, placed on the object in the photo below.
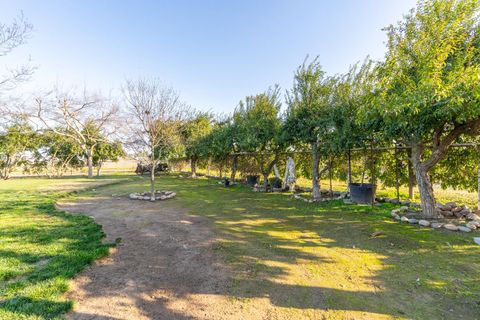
pixel 213 52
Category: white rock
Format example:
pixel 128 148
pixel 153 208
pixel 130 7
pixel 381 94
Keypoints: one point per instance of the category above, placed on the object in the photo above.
pixel 395 212
pixel 450 226
pixel 476 223
pixel 404 219
pixel 473 216
pixel 424 223
pixel 412 221
pixel 403 209
pixel 436 225
pixel 477 240
pixel 472 225
pixel 464 229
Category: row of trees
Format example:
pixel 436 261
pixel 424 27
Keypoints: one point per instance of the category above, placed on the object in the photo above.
pixel 52 152
pixel 422 97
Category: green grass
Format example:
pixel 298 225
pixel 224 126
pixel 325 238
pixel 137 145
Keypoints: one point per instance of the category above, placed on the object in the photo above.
pixel 41 248
pixel 317 261
pixel 297 260
pixel 442 195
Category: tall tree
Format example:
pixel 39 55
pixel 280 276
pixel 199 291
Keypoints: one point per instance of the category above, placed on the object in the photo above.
pixel 15 141
pixel 12 36
pixel 308 114
pixel 429 84
pixel 155 112
pixel 351 92
pixel 193 130
pixel 86 119
pixel 261 127
pixel 107 151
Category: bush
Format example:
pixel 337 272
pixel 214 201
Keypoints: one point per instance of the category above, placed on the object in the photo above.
pixel 275 182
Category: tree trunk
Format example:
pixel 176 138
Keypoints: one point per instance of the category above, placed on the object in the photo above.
pixel 478 205
pixel 152 182
pixel 152 175
pixel 193 166
pixel 90 162
pixel 349 169
pixel 364 163
pixel 411 176
pixel 397 181
pixel 315 175
pixel 99 167
pixel 275 171
pixel 330 178
pixel 234 168
pixel 265 182
pixel 425 188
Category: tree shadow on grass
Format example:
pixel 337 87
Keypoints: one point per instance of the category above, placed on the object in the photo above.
pixel 421 273
pixel 299 255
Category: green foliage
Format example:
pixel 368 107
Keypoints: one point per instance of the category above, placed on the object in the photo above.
pixel 15 142
pixel 258 121
pixel 193 132
pixel 108 151
pixel 429 81
pixel 307 120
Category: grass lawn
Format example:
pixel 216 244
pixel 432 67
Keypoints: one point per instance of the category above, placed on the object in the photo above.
pixel 442 195
pixel 318 261
pixel 296 259
pixel 41 248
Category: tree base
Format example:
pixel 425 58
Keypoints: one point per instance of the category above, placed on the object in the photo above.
pixel 159 195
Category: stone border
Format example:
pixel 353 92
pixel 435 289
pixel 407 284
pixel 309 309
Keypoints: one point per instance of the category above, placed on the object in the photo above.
pixel 399 214
pixel 159 195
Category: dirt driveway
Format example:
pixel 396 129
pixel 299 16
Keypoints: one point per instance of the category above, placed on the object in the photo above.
pixel 163 267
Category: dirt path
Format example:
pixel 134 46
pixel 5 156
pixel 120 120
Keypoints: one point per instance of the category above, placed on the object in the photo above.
pixel 163 267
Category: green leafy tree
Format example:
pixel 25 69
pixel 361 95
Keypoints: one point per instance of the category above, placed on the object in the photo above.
pixel 193 131
pixel 260 125
pixel 55 154
pixel 105 151
pixel 218 144
pixel 16 141
pixel 429 84
pixel 308 118
pixel 350 92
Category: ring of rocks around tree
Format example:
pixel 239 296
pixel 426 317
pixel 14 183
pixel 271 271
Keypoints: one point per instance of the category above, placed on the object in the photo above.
pixel 159 195
pixel 452 217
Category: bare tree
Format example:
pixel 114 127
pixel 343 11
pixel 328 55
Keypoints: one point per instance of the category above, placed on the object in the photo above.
pixel 87 120
pixel 155 112
pixel 13 35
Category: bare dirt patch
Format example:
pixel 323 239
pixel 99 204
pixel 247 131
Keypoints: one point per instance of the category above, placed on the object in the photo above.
pixel 163 267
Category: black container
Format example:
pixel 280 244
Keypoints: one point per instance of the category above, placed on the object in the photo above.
pixel 252 180
pixel 362 193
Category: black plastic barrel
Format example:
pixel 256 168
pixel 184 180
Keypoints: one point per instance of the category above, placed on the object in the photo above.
pixel 252 180
pixel 362 193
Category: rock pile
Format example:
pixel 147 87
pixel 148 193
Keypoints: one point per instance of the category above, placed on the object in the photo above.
pixel 159 195
pixel 452 210
pixel 455 218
